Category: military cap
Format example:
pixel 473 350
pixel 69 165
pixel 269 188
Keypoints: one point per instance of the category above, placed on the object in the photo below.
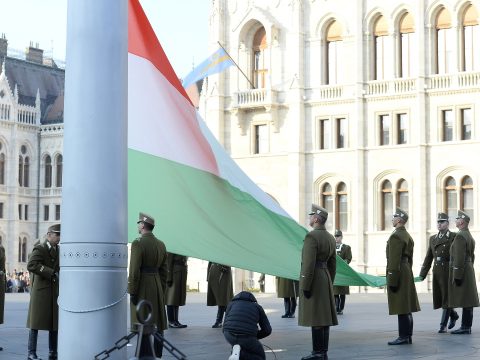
pixel 338 232
pixel 142 217
pixel 318 210
pixel 442 217
pixel 54 229
pixel 462 215
pixel 401 214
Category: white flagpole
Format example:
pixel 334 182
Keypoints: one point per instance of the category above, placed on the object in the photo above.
pixel 93 252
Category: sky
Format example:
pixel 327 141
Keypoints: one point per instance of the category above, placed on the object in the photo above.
pixel 183 33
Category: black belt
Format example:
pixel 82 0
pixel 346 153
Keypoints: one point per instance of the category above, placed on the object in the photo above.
pixel 182 263
pixel 467 259
pixel 321 264
pixel 149 270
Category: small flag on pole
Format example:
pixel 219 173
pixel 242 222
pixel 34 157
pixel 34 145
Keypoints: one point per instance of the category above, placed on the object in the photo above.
pixel 215 63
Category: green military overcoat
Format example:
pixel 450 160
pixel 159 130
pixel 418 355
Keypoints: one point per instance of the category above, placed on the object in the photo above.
pixel 317 275
pixel 462 257
pixel 220 284
pixel 177 276
pixel 148 254
pixel 345 252
pixel 286 288
pixel 43 262
pixel 399 273
pixel 439 253
pixel 2 282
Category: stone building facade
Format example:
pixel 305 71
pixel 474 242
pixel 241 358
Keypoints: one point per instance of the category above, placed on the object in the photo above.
pixel 359 106
pixel 31 143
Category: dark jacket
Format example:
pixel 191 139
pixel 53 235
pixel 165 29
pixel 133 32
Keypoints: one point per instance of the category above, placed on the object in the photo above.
pixel 399 253
pixel 438 253
pixel 319 265
pixel 43 308
pixel 243 314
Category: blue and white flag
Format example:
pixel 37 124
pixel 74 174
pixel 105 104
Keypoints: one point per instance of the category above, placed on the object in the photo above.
pixel 215 63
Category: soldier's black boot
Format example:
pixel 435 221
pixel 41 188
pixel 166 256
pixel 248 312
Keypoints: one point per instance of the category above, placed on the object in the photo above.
pixel 171 316
pixel 453 318
pixel 410 327
pixel 337 303
pixel 404 336
pixel 341 304
pixel 218 322
pixel 293 307
pixel 444 320
pixel 467 319
pixel 318 343
pixel 177 323
pixel 286 304
pixel 158 346
pixel 32 345
pixel 52 345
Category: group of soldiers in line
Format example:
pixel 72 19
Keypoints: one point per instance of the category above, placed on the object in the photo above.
pixel 153 273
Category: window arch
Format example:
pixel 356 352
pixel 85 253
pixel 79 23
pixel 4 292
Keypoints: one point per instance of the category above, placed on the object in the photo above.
pixel 259 68
pixel 22 249
pixel 334 53
pixel 380 33
pixel 445 42
pixel 2 168
pixel 23 167
pixel 402 194
pixel 341 213
pixel 470 40
pixel 466 197
pixel 58 170
pixel 450 197
pixel 48 171
pixel 407 46
pixel 386 204
pixel 327 203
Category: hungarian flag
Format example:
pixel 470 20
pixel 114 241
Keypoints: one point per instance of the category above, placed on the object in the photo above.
pixel 203 204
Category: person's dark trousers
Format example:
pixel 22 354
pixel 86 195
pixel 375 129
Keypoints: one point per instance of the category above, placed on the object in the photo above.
pixel 444 320
pixel 286 304
pixel 250 347
pixel 52 345
pixel 342 302
pixel 293 307
pixel 405 330
pixel 467 320
pixel 175 314
pixel 320 339
pixel 32 344
pixel 170 314
pixel 146 348
pixel 219 320
pixel 337 302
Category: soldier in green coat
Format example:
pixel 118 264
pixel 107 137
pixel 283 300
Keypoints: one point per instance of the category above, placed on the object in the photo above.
pixel 2 284
pixel 220 289
pixel 402 294
pixel 317 273
pixel 147 279
pixel 288 290
pixel 345 252
pixel 439 253
pixel 462 285
pixel 43 309
pixel 176 288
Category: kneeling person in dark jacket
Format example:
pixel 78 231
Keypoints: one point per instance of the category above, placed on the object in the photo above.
pixel 243 318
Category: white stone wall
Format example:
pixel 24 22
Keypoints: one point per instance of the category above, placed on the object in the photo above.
pixel 297 97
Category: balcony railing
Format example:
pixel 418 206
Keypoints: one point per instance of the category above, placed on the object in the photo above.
pixel 254 98
pixel 391 87
pixel 331 92
pixel 454 81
